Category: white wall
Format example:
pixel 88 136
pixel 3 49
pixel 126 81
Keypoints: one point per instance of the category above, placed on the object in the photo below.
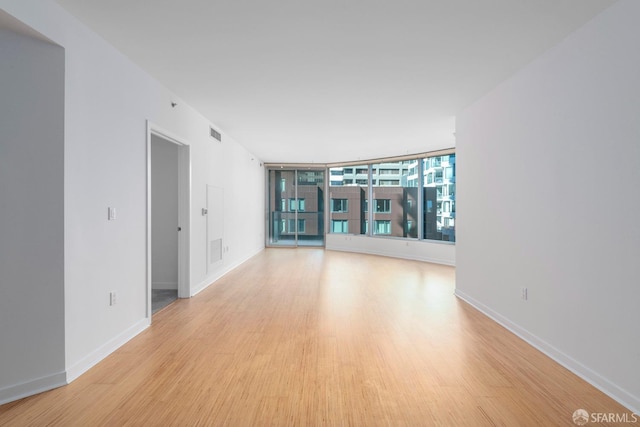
pixel 436 252
pixel 229 166
pixel 31 214
pixel 164 214
pixel 548 199
pixel 107 103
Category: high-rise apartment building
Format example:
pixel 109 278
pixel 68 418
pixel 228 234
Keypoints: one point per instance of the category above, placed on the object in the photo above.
pixel 395 198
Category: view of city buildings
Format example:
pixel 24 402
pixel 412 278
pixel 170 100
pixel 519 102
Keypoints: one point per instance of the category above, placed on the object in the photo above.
pixel 412 199
pixel 296 200
pixel 396 198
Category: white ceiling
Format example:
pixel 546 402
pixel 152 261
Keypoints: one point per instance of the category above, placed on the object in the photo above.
pixel 333 80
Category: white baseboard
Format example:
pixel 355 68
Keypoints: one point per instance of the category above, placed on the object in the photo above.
pixel 29 388
pixel 39 385
pixel 416 250
pixel 598 381
pixel 217 275
pixel 106 349
pixel 390 254
pixel 165 285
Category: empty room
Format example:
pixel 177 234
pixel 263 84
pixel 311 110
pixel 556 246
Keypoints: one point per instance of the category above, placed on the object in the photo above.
pixel 319 213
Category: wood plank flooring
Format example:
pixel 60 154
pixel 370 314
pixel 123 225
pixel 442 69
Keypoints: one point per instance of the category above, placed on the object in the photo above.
pixel 304 337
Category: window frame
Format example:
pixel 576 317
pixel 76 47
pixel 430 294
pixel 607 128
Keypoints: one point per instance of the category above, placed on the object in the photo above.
pixel 435 170
pixel 344 226
pixel 386 223
pixel 344 202
pixel 386 203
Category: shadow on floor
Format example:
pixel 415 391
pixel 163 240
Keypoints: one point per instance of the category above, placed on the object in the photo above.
pixel 160 298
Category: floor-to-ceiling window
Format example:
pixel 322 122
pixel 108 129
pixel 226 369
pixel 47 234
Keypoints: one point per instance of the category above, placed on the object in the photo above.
pixel 296 207
pixel 348 196
pixel 439 197
pixel 384 199
pixel 410 197
pixel 395 200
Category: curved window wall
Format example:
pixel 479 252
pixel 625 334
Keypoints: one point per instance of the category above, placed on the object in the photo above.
pixel 409 197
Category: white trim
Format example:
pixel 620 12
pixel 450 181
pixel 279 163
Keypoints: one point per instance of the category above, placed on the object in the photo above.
pixel 211 279
pixel 414 156
pixel 184 219
pixel 410 249
pixel 149 310
pixel 598 381
pixel 391 254
pixel 29 388
pixel 184 212
pixel 105 350
pixel 267 214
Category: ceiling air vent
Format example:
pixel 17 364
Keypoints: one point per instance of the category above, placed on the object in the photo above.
pixel 215 134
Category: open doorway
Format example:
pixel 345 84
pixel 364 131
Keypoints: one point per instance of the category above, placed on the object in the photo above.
pixel 167 220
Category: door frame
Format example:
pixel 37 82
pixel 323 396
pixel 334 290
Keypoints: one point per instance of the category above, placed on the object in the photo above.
pixel 184 212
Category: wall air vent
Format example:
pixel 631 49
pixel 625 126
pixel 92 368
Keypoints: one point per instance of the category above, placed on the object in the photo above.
pixel 215 134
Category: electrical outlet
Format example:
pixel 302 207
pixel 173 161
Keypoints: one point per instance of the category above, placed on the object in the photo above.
pixel 524 294
pixel 112 298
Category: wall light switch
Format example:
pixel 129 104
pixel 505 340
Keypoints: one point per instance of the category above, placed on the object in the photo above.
pixel 111 212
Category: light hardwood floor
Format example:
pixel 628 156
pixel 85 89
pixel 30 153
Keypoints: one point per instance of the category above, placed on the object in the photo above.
pixel 308 337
